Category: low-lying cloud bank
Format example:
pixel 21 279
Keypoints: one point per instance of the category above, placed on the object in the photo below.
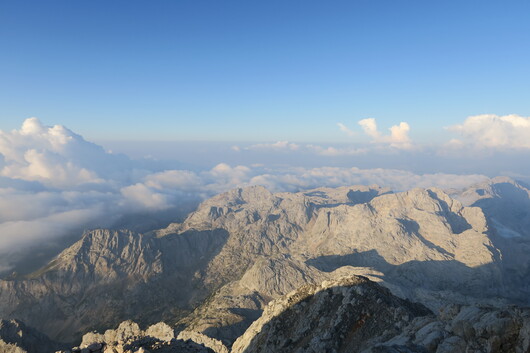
pixel 54 183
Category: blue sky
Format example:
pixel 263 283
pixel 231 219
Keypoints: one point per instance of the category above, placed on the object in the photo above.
pixel 260 71
pixel 204 96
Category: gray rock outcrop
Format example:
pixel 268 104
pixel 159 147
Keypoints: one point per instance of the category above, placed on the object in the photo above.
pixel 128 337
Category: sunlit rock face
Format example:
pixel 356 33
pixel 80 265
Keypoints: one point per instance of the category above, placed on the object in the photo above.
pixel 216 271
pixel 160 337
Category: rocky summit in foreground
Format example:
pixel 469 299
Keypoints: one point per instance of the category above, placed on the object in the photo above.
pixel 354 314
pixel 350 314
pixel 128 337
pixel 346 315
pixel 215 273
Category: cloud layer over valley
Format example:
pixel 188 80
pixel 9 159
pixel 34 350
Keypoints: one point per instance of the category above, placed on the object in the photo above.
pixel 54 183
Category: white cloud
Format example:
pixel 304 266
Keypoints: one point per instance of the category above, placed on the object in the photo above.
pixel 223 177
pixel 175 179
pixel 141 197
pixel 55 156
pixel 398 137
pixel 15 234
pixel 370 128
pixel 345 129
pixel 302 178
pixel 493 131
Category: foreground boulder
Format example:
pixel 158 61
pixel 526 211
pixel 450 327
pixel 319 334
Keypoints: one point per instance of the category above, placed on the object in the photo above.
pixel 128 337
pixel 466 329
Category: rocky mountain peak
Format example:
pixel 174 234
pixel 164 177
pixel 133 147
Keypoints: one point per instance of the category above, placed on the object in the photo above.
pixel 339 315
pixel 106 254
pixel 352 314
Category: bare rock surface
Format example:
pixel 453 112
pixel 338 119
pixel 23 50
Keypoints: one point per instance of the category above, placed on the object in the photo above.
pixel 128 337
pixel 467 329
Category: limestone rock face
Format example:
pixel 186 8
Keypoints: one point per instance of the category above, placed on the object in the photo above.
pixel 128 337
pixel 420 239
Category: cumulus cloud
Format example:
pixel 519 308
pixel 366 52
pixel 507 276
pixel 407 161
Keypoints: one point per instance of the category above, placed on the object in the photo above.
pixel 398 137
pixel 54 183
pixel 493 131
pixel 55 156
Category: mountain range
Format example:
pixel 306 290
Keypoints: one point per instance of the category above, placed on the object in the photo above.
pixel 240 258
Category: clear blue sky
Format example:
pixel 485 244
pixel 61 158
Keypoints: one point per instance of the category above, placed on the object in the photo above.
pixel 260 70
